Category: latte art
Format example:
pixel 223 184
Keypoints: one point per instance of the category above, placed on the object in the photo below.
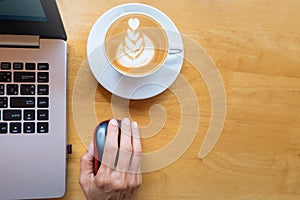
pixel 137 49
pixel 136 44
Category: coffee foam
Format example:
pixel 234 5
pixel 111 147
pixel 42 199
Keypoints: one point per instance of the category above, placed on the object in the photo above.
pixel 136 44
pixel 133 58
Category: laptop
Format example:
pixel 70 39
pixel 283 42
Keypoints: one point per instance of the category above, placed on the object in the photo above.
pixel 33 79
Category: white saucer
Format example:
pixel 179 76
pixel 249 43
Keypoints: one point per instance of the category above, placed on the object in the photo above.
pixel 132 87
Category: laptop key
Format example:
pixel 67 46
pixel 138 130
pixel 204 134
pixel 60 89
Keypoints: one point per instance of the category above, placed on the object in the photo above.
pixel 30 66
pixel 27 89
pixel 42 127
pixel 12 89
pixel 1 89
pixel 15 127
pixel 5 76
pixel 6 65
pixel 22 102
pixel 29 115
pixel 12 115
pixel 43 102
pixel 43 89
pixel 43 77
pixel 3 102
pixel 3 127
pixel 28 77
pixel 17 66
pixel 28 127
pixel 42 114
pixel 43 66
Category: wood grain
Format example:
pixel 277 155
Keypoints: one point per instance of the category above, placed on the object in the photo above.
pixel 256 46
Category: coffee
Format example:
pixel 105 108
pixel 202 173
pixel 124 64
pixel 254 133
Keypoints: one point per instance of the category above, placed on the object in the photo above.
pixel 136 44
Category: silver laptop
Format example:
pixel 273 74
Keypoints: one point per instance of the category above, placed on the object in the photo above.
pixel 33 60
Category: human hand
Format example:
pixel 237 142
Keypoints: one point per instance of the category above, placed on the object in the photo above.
pixel 113 180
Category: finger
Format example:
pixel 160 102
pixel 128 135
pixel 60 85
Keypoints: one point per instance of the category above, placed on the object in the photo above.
pixel 136 158
pixel 134 183
pixel 125 146
pixel 111 145
pixel 86 165
pixel 136 139
pixel 86 162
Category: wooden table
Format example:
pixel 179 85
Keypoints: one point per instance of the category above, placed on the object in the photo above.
pixel 256 48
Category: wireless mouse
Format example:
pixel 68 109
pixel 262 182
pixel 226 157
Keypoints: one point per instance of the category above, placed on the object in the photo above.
pixel 99 142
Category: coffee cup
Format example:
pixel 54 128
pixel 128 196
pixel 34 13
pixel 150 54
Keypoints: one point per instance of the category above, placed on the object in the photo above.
pixel 137 45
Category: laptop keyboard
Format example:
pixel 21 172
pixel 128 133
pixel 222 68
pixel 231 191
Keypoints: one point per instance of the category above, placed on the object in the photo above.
pixel 24 98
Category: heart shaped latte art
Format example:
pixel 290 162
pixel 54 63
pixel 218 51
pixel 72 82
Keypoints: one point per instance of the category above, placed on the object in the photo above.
pixel 134 23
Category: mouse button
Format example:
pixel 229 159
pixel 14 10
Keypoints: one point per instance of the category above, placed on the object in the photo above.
pixel 100 137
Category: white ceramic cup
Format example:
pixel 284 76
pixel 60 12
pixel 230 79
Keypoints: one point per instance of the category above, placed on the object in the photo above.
pixel 135 52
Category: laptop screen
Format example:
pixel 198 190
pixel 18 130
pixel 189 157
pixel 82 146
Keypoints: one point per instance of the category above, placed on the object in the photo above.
pixel 25 10
pixel 31 17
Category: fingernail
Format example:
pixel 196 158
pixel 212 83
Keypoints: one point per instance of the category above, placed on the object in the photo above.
pixel 114 122
pixel 126 121
pixel 134 124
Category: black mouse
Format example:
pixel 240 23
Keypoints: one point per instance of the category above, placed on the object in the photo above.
pixel 99 141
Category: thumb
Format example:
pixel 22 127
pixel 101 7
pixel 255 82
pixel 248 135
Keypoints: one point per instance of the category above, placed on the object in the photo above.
pixel 86 165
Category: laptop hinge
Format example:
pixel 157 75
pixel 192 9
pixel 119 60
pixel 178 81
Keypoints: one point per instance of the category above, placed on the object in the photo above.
pixel 21 41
